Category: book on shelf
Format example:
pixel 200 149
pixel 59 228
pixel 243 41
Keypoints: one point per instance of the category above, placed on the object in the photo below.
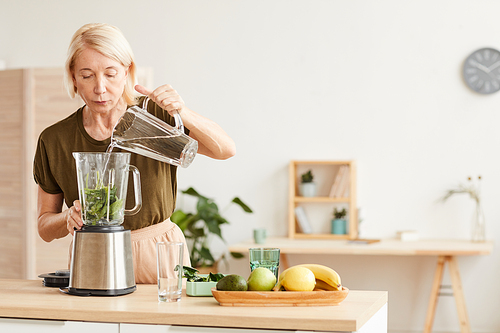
pixel 344 186
pixel 341 182
pixel 336 182
pixel 302 220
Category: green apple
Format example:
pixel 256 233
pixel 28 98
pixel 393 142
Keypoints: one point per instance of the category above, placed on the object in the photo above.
pixel 261 279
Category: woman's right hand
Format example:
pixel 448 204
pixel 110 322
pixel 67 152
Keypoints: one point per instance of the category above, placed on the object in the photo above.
pixel 74 217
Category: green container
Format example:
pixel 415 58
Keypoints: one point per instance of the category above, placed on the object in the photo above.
pixel 200 288
pixel 339 226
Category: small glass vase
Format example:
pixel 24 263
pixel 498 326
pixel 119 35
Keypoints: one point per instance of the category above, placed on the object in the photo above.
pixel 478 224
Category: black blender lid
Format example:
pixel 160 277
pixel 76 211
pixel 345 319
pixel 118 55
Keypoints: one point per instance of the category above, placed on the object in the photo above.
pixel 58 279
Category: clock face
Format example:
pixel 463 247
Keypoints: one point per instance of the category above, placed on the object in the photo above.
pixel 482 71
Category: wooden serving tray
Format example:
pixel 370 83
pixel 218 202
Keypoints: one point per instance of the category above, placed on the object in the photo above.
pixel 280 298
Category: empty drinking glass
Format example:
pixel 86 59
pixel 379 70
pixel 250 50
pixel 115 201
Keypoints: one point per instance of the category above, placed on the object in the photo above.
pixel 169 257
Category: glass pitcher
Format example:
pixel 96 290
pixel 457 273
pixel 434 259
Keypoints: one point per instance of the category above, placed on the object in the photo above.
pixel 142 133
pixel 102 187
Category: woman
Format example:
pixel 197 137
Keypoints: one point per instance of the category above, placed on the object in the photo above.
pixel 100 69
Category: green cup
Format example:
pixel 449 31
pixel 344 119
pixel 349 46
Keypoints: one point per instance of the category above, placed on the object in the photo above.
pixel 265 257
pixel 259 236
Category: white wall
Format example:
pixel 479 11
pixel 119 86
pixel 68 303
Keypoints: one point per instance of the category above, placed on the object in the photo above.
pixel 375 81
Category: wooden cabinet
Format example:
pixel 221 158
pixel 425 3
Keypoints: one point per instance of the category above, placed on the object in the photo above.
pixel 30 100
pixel 319 208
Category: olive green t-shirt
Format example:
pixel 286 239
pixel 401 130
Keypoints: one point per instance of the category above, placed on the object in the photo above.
pixel 54 169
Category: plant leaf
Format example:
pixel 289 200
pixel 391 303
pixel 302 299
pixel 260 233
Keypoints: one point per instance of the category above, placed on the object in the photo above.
pixel 196 232
pixel 189 220
pixel 207 206
pixel 178 216
pixel 207 256
pixel 236 255
pixel 190 273
pixel 213 225
pixel 191 191
pixel 238 201
pixel 190 270
pixel 215 277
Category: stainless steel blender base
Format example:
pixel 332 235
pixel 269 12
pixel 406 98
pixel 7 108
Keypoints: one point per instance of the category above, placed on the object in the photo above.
pixel 101 262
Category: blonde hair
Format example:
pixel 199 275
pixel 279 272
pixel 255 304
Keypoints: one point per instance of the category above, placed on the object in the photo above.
pixel 110 42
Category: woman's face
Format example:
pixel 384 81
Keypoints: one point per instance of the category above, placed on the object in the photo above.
pixel 99 80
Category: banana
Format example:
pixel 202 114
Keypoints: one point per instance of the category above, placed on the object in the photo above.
pixel 324 273
pixel 278 286
pixel 326 278
pixel 322 285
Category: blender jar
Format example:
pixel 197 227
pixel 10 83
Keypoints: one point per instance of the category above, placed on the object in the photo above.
pixel 102 187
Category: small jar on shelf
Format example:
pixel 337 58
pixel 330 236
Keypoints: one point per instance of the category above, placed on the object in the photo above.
pixel 307 187
pixel 339 222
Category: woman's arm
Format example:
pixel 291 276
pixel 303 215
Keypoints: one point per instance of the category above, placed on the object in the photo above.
pixel 213 141
pixel 53 223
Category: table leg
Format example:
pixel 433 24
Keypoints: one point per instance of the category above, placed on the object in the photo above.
pixel 431 309
pixel 457 293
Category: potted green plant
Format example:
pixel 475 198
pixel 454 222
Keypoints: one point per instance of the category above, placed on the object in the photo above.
pixel 307 186
pixel 198 226
pixel 339 222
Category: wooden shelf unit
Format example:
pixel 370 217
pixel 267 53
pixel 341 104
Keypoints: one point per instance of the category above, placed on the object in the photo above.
pixel 296 168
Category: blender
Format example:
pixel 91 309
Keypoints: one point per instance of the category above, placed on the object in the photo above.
pixel 101 256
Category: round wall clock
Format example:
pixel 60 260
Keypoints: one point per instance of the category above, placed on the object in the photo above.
pixel 482 71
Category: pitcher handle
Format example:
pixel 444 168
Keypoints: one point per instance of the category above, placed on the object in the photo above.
pixel 177 117
pixel 137 191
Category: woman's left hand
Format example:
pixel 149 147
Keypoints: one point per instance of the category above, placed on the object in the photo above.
pixel 165 97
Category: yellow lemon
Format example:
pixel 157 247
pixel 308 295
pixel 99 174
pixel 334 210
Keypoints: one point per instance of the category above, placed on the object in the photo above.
pixel 298 279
